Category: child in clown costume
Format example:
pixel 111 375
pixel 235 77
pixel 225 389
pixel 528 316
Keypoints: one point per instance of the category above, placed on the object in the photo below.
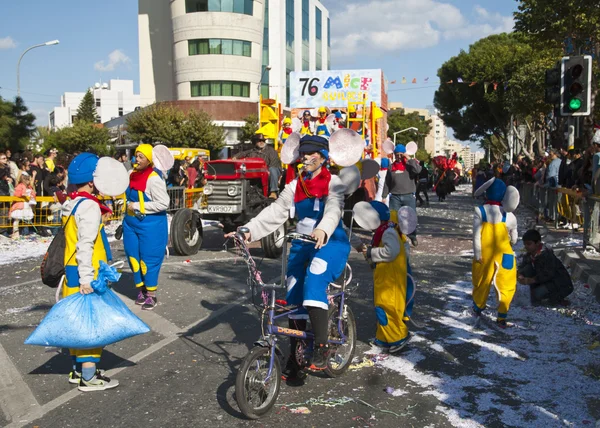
pixel 322 127
pixel 86 246
pixel 286 130
pixel 307 124
pixel 145 230
pixel 393 284
pixel 494 233
pixel 317 198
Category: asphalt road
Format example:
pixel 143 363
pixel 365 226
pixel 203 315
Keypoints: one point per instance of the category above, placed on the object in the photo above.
pixel 183 372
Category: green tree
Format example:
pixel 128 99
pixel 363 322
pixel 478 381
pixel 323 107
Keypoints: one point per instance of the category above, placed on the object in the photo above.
pixel 87 108
pixel 170 126
pixel 477 112
pixel 81 137
pixel 249 129
pixel 16 124
pixel 399 120
pixel 424 156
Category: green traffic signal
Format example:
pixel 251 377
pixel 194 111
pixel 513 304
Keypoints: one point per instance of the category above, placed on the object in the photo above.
pixel 575 104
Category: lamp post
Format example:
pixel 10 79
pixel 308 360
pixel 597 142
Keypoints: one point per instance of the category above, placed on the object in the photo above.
pixel 267 68
pixel 412 128
pixel 50 43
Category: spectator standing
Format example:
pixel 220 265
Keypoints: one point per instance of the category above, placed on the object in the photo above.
pixel 553 169
pixel 6 183
pixel 400 184
pixel 51 155
pixel 21 211
pixel 38 173
pixel 126 163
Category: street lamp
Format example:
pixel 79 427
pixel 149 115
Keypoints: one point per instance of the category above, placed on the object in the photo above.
pixel 412 128
pixel 50 43
pixel 267 68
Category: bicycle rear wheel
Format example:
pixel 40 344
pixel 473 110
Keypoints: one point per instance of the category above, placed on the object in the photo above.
pixel 255 391
pixel 340 355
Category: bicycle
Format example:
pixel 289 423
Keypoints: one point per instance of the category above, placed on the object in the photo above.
pixel 259 378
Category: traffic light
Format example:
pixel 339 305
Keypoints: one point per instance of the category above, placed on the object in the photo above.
pixel 576 85
pixel 552 95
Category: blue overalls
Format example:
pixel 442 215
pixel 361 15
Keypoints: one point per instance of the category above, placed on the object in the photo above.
pixel 144 240
pixel 309 270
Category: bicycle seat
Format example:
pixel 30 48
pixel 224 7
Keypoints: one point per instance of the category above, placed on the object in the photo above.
pixel 273 287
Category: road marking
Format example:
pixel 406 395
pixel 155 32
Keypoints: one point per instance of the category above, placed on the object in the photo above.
pixel 26 417
pixel 16 399
pixel 34 281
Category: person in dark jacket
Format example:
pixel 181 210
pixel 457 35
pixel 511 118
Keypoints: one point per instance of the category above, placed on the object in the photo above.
pixel 400 184
pixel 422 184
pixel 269 155
pixel 543 272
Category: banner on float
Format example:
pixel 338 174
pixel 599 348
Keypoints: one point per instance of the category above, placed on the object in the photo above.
pixel 334 88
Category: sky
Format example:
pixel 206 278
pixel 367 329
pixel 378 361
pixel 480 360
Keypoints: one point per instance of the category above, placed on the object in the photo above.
pixel 99 42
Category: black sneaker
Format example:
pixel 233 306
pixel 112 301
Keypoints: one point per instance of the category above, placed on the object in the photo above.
pixel 413 241
pixel 319 359
pixel 150 303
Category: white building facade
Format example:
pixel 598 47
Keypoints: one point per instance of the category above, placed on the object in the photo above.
pixel 213 55
pixel 113 99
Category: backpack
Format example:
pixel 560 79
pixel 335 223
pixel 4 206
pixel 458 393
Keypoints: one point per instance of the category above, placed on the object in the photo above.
pixel 52 268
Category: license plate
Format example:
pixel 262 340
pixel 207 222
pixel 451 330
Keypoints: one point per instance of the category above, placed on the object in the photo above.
pixel 219 208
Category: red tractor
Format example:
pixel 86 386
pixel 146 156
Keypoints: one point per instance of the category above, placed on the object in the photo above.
pixel 237 190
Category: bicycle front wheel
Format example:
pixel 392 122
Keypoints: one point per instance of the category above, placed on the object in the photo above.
pixel 256 390
pixel 340 355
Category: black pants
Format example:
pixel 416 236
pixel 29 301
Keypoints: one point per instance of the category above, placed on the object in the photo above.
pixel 422 187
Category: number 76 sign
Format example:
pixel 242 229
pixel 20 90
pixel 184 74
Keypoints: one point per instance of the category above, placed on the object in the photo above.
pixel 334 88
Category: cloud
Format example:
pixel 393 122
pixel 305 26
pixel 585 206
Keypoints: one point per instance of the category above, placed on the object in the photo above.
pixel 115 58
pixel 7 43
pixel 388 26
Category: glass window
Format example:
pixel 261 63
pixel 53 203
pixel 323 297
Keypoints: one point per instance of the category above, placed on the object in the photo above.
pixel 238 6
pixel 247 49
pixel 227 47
pixel 235 6
pixel 249 7
pixel 226 89
pixel 237 89
pixel 226 5
pixel 238 47
pixel 204 89
pixel 220 89
pixel 215 46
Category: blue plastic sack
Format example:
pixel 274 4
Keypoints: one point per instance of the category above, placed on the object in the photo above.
pixel 86 321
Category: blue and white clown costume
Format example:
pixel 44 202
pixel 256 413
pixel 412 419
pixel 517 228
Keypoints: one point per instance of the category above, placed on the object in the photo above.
pixel 307 285
pixel 317 202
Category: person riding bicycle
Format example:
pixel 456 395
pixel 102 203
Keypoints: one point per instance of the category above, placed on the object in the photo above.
pixel 317 199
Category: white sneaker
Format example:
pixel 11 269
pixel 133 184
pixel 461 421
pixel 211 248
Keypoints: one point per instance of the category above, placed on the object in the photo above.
pixel 97 383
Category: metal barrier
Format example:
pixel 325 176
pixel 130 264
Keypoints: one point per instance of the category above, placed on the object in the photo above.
pixel 591 222
pixel 47 211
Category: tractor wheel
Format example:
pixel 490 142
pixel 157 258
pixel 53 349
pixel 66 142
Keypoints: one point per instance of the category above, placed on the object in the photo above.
pixel 186 232
pixel 272 244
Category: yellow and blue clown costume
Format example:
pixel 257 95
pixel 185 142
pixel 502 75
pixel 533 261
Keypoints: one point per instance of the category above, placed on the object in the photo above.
pixel 494 261
pixel 145 229
pixel 394 288
pixel 82 223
